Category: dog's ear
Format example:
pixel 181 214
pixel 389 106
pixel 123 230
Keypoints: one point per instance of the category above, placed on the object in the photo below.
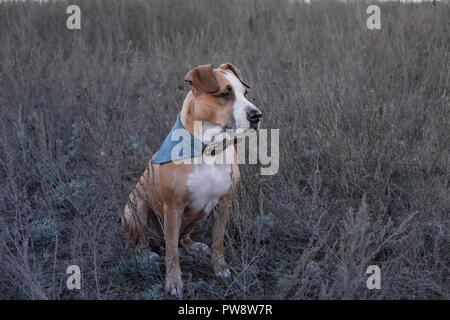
pixel 235 70
pixel 202 78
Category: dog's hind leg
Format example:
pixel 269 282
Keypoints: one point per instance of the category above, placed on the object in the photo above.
pixel 135 222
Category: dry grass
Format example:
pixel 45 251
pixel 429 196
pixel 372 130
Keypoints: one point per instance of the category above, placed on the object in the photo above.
pixel 364 142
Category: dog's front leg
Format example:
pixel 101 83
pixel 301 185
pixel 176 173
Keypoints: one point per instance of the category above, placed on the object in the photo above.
pixel 219 222
pixel 172 221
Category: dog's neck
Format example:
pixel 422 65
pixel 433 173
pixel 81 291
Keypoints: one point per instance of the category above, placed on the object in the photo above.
pixel 188 121
pixel 196 128
pixel 187 118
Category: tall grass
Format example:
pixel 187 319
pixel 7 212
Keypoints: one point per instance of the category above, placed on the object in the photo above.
pixel 364 120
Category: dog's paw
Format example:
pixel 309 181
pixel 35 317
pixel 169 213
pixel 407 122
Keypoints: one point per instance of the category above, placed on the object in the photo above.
pixel 224 274
pixel 222 271
pixel 147 256
pixel 199 249
pixel 174 287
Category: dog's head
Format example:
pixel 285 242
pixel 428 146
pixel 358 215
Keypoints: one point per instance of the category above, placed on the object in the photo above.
pixel 219 100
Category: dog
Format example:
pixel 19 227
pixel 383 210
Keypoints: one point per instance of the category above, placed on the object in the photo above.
pixel 171 198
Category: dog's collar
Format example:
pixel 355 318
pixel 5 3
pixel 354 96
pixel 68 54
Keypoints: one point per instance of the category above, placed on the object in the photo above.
pixel 230 139
pixel 187 145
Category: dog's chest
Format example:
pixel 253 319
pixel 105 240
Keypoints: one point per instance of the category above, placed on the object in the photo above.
pixel 207 184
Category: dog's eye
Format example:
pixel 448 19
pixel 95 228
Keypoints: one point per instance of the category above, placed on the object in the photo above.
pixel 245 93
pixel 226 95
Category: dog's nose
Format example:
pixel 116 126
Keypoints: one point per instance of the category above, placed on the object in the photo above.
pixel 254 115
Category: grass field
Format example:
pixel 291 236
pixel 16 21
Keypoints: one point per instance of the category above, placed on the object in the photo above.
pixel 364 119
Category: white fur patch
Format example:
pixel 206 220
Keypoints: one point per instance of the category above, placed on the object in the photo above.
pixel 208 183
pixel 240 103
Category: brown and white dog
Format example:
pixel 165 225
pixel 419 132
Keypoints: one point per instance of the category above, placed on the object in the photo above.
pixel 170 199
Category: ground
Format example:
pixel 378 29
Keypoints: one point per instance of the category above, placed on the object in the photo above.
pixel 364 120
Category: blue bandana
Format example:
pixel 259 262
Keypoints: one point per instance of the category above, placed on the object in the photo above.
pixel 179 144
